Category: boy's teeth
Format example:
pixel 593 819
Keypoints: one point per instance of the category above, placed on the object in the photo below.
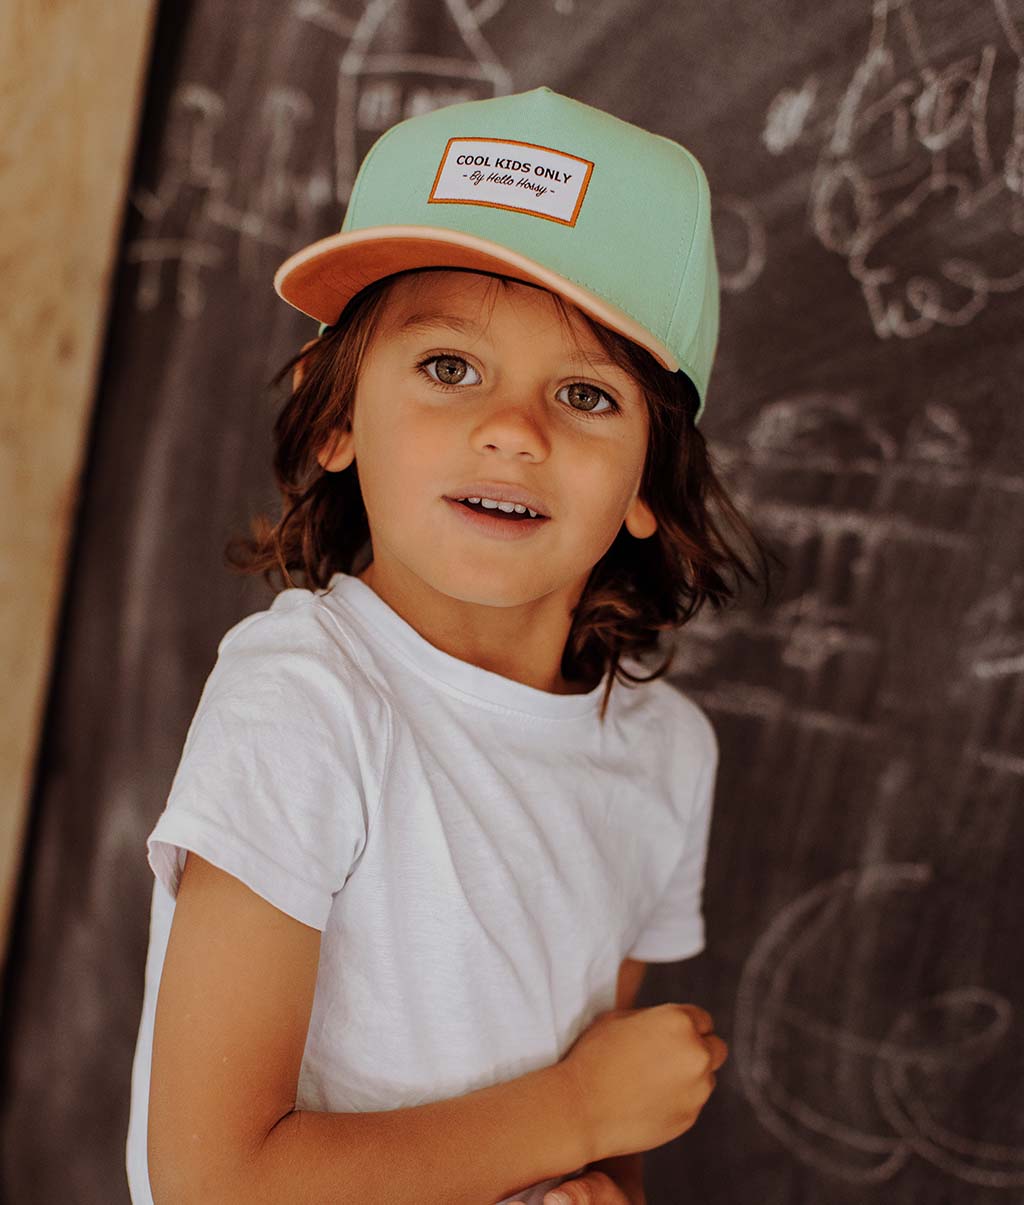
pixel 507 507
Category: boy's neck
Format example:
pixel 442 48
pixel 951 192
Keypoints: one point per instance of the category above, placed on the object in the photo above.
pixel 561 686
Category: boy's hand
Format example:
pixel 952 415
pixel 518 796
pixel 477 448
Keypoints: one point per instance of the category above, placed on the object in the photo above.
pixel 592 1188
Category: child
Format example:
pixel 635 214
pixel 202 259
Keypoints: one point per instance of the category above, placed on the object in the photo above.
pixel 416 852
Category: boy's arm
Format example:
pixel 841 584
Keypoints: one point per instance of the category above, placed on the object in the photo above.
pixel 631 978
pixel 626 1170
pixel 484 1146
pixel 231 1024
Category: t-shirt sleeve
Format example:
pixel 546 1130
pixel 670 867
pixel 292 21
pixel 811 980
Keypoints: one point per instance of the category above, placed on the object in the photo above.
pixel 675 928
pixel 270 785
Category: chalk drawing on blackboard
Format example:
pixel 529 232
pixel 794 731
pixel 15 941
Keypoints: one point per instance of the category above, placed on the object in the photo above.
pixel 186 217
pixel 937 436
pixel 740 242
pixel 176 236
pixel 862 509
pixel 381 80
pixel 989 687
pixel 830 449
pixel 391 69
pixel 908 175
pixel 832 429
pixel 865 1103
pixel 325 15
pixel 994 628
pixel 787 116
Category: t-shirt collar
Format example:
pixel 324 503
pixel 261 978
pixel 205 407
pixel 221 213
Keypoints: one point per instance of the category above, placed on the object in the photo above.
pixel 383 623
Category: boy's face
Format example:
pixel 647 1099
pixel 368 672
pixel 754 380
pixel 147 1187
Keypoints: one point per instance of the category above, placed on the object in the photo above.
pixel 515 411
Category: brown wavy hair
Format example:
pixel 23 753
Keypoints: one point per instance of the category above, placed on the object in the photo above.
pixel 637 590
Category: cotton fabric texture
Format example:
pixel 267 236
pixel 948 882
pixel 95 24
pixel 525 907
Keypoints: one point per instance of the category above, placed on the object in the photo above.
pixel 479 855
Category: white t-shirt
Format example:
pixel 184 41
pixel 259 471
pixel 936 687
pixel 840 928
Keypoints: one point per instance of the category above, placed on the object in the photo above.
pixel 479 855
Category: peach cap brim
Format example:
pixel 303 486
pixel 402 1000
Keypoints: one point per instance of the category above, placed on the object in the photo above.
pixel 321 278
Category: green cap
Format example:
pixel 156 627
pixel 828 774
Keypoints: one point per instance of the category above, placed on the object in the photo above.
pixel 544 188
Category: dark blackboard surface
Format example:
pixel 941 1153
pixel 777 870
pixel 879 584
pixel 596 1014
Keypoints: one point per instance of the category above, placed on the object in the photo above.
pixel 864 892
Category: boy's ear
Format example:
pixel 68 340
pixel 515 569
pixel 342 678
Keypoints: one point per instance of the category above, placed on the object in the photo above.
pixel 299 371
pixel 338 452
pixel 640 520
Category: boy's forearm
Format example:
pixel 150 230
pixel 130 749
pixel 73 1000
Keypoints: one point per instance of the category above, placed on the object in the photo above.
pixel 469 1150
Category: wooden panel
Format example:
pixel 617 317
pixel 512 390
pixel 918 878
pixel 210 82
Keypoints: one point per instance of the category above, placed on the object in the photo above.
pixel 72 76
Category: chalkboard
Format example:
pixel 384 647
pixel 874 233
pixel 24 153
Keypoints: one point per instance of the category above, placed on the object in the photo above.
pixel 864 895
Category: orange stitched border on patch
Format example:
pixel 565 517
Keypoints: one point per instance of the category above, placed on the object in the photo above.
pixel 432 200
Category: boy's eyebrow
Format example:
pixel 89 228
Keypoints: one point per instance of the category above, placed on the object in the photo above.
pixel 418 322
pixel 423 321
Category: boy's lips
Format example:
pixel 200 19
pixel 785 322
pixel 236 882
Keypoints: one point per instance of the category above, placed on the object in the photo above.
pixel 501 491
pixel 488 523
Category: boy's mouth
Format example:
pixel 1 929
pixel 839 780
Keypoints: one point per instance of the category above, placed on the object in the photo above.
pixel 500 500
pixel 497 511
pixel 500 497
pixel 493 521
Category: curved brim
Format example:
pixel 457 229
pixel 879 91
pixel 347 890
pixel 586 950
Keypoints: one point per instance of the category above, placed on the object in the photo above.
pixel 320 279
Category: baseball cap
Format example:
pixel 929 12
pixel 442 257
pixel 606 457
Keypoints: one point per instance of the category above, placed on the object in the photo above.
pixel 544 188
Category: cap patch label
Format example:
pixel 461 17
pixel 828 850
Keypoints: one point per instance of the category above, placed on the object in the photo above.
pixel 512 175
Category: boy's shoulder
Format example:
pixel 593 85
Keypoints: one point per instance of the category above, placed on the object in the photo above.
pixel 692 748
pixel 687 725
pixel 297 641
pixel 296 619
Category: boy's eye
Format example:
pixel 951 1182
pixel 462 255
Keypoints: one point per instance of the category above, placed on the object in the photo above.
pixel 451 372
pixel 596 395
pixel 450 369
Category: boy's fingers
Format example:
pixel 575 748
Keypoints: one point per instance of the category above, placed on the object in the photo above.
pixel 719 1052
pixel 592 1188
pixel 702 1019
